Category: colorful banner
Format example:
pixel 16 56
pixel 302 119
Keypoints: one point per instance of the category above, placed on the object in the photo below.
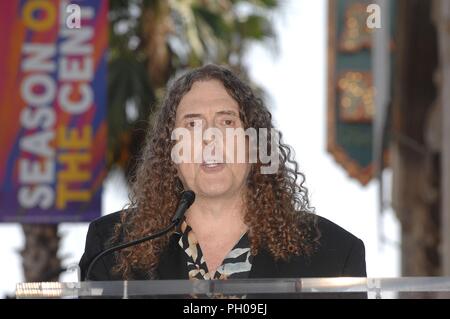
pixel 53 128
pixel 351 91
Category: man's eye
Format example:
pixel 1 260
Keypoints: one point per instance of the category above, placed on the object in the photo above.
pixel 193 124
pixel 228 122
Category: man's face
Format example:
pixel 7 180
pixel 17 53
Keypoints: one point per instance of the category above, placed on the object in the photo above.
pixel 208 105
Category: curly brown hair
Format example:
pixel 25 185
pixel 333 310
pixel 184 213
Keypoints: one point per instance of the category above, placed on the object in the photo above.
pixel 277 210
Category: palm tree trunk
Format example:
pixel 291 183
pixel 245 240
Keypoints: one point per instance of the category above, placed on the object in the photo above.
pixel 40 259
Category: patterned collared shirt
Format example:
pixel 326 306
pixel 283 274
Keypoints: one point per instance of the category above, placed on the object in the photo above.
pixel 236 264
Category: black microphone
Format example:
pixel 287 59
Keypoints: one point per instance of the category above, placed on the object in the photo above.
pixel 187 198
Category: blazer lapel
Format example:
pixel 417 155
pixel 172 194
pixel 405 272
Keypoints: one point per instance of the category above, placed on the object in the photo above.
pixel 173 261
pixel 264 266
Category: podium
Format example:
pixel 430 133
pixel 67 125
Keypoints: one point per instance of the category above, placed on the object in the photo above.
pixel 342 287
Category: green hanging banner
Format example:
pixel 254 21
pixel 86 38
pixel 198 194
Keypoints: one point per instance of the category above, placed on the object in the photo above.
pixel 350 87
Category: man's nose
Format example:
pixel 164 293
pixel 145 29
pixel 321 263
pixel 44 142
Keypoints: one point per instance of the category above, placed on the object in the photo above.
pixel 207 139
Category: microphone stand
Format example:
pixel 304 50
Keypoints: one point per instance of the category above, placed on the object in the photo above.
pixel 187 198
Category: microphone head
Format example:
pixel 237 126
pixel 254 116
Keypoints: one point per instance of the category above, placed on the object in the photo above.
pixel 188 197
pixel 186 200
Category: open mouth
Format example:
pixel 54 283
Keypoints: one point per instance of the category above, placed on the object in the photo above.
pixel 211 163
pixel 211 166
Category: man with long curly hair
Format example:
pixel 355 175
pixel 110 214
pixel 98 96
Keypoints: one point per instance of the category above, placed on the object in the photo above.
pixel 244 222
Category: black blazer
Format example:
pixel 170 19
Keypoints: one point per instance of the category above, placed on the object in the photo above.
pixel 340 254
